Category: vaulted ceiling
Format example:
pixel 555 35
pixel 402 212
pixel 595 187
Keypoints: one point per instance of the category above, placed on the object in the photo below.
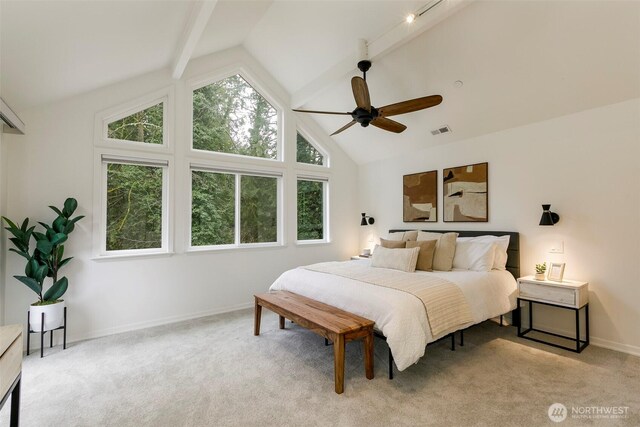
pixel 519 61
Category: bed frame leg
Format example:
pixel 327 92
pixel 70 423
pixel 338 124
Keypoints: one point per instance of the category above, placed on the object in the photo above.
pixel 501 324
pixel 326 342
pixel 453 341
pixel 461 337
pixel 390 364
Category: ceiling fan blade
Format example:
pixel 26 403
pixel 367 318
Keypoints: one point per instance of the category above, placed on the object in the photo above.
pixel 345 127
pixel 321 112
pixel 361 93
pixel 409 106
pixel 388 124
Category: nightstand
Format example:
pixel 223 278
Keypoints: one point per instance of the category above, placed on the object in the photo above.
pixel 567 295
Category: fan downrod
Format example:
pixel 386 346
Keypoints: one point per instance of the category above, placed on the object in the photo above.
pixel 364 67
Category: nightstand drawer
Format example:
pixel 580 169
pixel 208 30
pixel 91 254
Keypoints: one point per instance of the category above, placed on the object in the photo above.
pixel 548 293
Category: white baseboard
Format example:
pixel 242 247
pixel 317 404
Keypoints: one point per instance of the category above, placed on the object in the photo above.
pixel 141 325
pixel 596 341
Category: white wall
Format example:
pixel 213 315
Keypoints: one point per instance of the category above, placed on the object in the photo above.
pixel 55 160
pixel 587 166
pixel 3 233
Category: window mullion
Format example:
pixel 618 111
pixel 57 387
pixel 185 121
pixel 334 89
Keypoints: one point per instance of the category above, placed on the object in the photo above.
pixel 237 210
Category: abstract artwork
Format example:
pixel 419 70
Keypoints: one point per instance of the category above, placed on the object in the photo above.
pixel 465 193
pixel 420 197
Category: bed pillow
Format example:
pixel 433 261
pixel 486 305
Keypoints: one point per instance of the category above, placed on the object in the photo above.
pixel 425 256
pixel 392 244
pixel 474 255
pixel 445 249
pixel 404 235
pixel 397 259
pixel 502 244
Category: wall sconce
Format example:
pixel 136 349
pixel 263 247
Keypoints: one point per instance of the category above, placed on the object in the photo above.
pixel 548 217
pixel 367 220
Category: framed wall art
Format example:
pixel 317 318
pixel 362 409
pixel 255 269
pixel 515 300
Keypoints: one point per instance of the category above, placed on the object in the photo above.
pixel 420 197
pixel 465 193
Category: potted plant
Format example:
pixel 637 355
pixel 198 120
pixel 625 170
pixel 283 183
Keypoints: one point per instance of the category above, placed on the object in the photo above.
pixel 540 270
pixel 46 260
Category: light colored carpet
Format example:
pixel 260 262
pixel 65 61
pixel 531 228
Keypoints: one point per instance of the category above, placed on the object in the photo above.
pixel 213 371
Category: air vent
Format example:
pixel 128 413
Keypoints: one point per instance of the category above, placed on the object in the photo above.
pixel 443 129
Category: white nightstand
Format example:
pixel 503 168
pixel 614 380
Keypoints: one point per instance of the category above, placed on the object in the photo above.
pixel 568 294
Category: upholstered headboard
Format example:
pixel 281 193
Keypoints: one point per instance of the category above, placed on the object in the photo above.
pixel 513 251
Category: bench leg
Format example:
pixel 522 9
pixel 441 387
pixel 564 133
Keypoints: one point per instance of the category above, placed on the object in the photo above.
pixel 281 322
pixel 368 356
pixel 257 318
pixel 338 362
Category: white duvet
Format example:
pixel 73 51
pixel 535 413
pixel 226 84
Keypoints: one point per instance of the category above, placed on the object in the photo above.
pixel 398 315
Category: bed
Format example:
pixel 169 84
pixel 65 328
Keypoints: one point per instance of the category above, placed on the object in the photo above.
pixel 401 317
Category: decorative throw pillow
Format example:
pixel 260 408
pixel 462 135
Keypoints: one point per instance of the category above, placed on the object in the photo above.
pixel 404 235
pixel 425 256
pixel 392 244
pixel 397 259
pixel 474 255
pixel 445 249
pixel 502 244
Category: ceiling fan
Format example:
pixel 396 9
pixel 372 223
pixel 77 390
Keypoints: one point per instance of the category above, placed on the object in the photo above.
pixel 366 114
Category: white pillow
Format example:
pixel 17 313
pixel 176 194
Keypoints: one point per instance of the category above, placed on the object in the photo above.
pixel 502 243
pixel 403 235
pixel 397 259
pixel 476 256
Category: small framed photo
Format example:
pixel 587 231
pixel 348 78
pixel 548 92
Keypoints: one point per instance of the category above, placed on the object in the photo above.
pixel 556 271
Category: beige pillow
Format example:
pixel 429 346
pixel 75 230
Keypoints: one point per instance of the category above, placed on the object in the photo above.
pixel 397 259
pixel 404 235
pixel 425 256
pixel 445 249
pixel 392 244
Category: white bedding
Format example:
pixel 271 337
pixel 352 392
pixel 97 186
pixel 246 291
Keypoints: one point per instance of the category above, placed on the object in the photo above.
pixel 398 315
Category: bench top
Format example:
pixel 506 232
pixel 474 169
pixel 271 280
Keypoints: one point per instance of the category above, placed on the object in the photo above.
pixel 326 316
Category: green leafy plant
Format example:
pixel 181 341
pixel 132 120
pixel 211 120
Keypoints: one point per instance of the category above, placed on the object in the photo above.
pixel 541 268
pixel 46 260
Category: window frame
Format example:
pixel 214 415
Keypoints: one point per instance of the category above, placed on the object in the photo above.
pixel 326 237
pixel 326 160
pixel 211 78
pixel 238 172
pixel 104 118
pixel 100 237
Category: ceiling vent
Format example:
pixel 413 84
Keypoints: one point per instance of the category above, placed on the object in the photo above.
pixel 442 129
pixel 10 122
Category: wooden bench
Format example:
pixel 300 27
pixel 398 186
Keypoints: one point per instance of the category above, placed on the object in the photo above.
pixel 329 322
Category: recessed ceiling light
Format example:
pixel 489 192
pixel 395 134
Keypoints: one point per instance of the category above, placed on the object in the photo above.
pixel 410 18
pixel 458 83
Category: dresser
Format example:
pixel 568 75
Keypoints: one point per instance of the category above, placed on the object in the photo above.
pixel 11 369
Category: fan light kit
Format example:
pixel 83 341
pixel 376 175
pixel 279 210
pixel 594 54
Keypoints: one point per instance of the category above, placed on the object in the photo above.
pixel 366 114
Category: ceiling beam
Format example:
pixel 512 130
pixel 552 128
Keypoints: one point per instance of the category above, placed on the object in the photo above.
pixel 200 14
pixel 386 43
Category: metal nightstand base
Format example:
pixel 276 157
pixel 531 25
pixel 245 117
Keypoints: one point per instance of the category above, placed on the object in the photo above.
pixel 580 344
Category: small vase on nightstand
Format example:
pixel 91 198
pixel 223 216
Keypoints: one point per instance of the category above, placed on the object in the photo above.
pixel 539 276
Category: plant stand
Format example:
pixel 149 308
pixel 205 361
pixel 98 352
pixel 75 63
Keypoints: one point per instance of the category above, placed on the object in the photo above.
pixel 43 332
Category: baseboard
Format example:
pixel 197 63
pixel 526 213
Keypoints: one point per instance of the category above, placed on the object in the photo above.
pixel 596 341
pixel 138 325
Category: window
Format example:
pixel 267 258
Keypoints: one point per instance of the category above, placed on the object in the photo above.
pixel 230 116
pixel 145 126
pixel 233 208
pixel 311 209
pixel 135 204
pixel 306 152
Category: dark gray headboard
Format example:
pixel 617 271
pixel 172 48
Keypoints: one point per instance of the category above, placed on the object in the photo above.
pixel 513 251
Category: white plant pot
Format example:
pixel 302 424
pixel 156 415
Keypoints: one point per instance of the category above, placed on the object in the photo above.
pixel 53 316
pixel 539 276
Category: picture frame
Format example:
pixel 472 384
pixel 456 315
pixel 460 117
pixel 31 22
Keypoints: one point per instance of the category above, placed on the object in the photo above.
pixel 420 197
pixel 465 193
pixel 556 271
